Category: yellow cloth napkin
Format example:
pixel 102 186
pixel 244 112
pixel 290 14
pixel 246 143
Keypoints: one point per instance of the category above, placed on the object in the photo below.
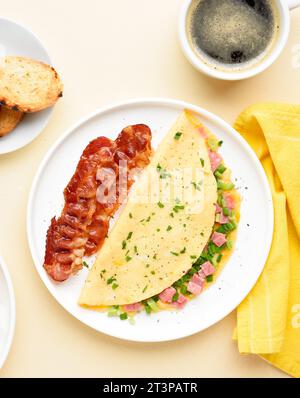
pixel 268 321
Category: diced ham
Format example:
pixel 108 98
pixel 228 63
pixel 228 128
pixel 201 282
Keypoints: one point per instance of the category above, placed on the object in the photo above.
pixel 167 295
pixel 223 219
pixel 202 275
pixel 194 288
pixel 198 280
pixel 219 239
pixel 218 208
pixel 181 302
pixel 207 268
pixel 215 160
pixel 133 307
pixel 230 202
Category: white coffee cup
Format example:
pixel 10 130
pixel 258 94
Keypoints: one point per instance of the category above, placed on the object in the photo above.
pixel 284 7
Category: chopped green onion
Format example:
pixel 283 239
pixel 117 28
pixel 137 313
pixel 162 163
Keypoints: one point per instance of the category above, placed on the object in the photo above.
pixel 209 278
pixel 175 254
pixel 128 258
pixel 214 261
pixel 197 186
pixel 113 312
pixel 225 186
pixel 175 297
pixel 115 286
pixel 218 174
pixel 226 211
pixel 221 169
pixel 213 144
pixel 161 205
pixel 229 244
pixel 152 304
pixel 219 258
pixel 123 316
pixel 85 264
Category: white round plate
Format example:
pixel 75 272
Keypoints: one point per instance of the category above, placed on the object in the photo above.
pixel 18 40
pixel 7 312
pixel 254 235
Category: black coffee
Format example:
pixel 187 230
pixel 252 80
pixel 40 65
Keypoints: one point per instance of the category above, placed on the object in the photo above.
pixel 232 32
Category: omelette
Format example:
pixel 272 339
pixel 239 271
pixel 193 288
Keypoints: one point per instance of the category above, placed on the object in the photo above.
pixel 167 221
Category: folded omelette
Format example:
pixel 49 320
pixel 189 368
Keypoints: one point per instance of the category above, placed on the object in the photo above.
pixel 164 226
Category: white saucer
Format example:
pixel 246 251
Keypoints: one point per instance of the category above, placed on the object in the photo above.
pixel 18 40
pixel 7 312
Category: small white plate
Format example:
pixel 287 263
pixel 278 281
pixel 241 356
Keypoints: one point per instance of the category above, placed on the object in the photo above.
pixel 18 40
pixel 7 312
pixel 254 235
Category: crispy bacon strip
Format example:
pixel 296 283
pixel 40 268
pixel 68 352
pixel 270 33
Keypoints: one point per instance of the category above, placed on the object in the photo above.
pixel 84 222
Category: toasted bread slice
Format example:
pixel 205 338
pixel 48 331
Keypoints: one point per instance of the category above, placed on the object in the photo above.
pixel 27 85
pixel 9 119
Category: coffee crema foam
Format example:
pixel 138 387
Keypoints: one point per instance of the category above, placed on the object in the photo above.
pixel 232 34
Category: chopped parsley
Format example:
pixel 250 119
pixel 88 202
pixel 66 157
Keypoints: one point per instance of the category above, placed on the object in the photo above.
pixel 128 258
pixel 169 228
pixel 162 172
pixel 202 162
pixel 175 254
pixel 177 208
pixel 197 186
pixel 85 264
pixel 177 136
pixel 129 236
pixel 111 280
pixel 145 288
pixel 115 286
pixel 160 205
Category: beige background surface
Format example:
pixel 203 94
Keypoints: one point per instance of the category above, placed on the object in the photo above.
pixel 109 50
